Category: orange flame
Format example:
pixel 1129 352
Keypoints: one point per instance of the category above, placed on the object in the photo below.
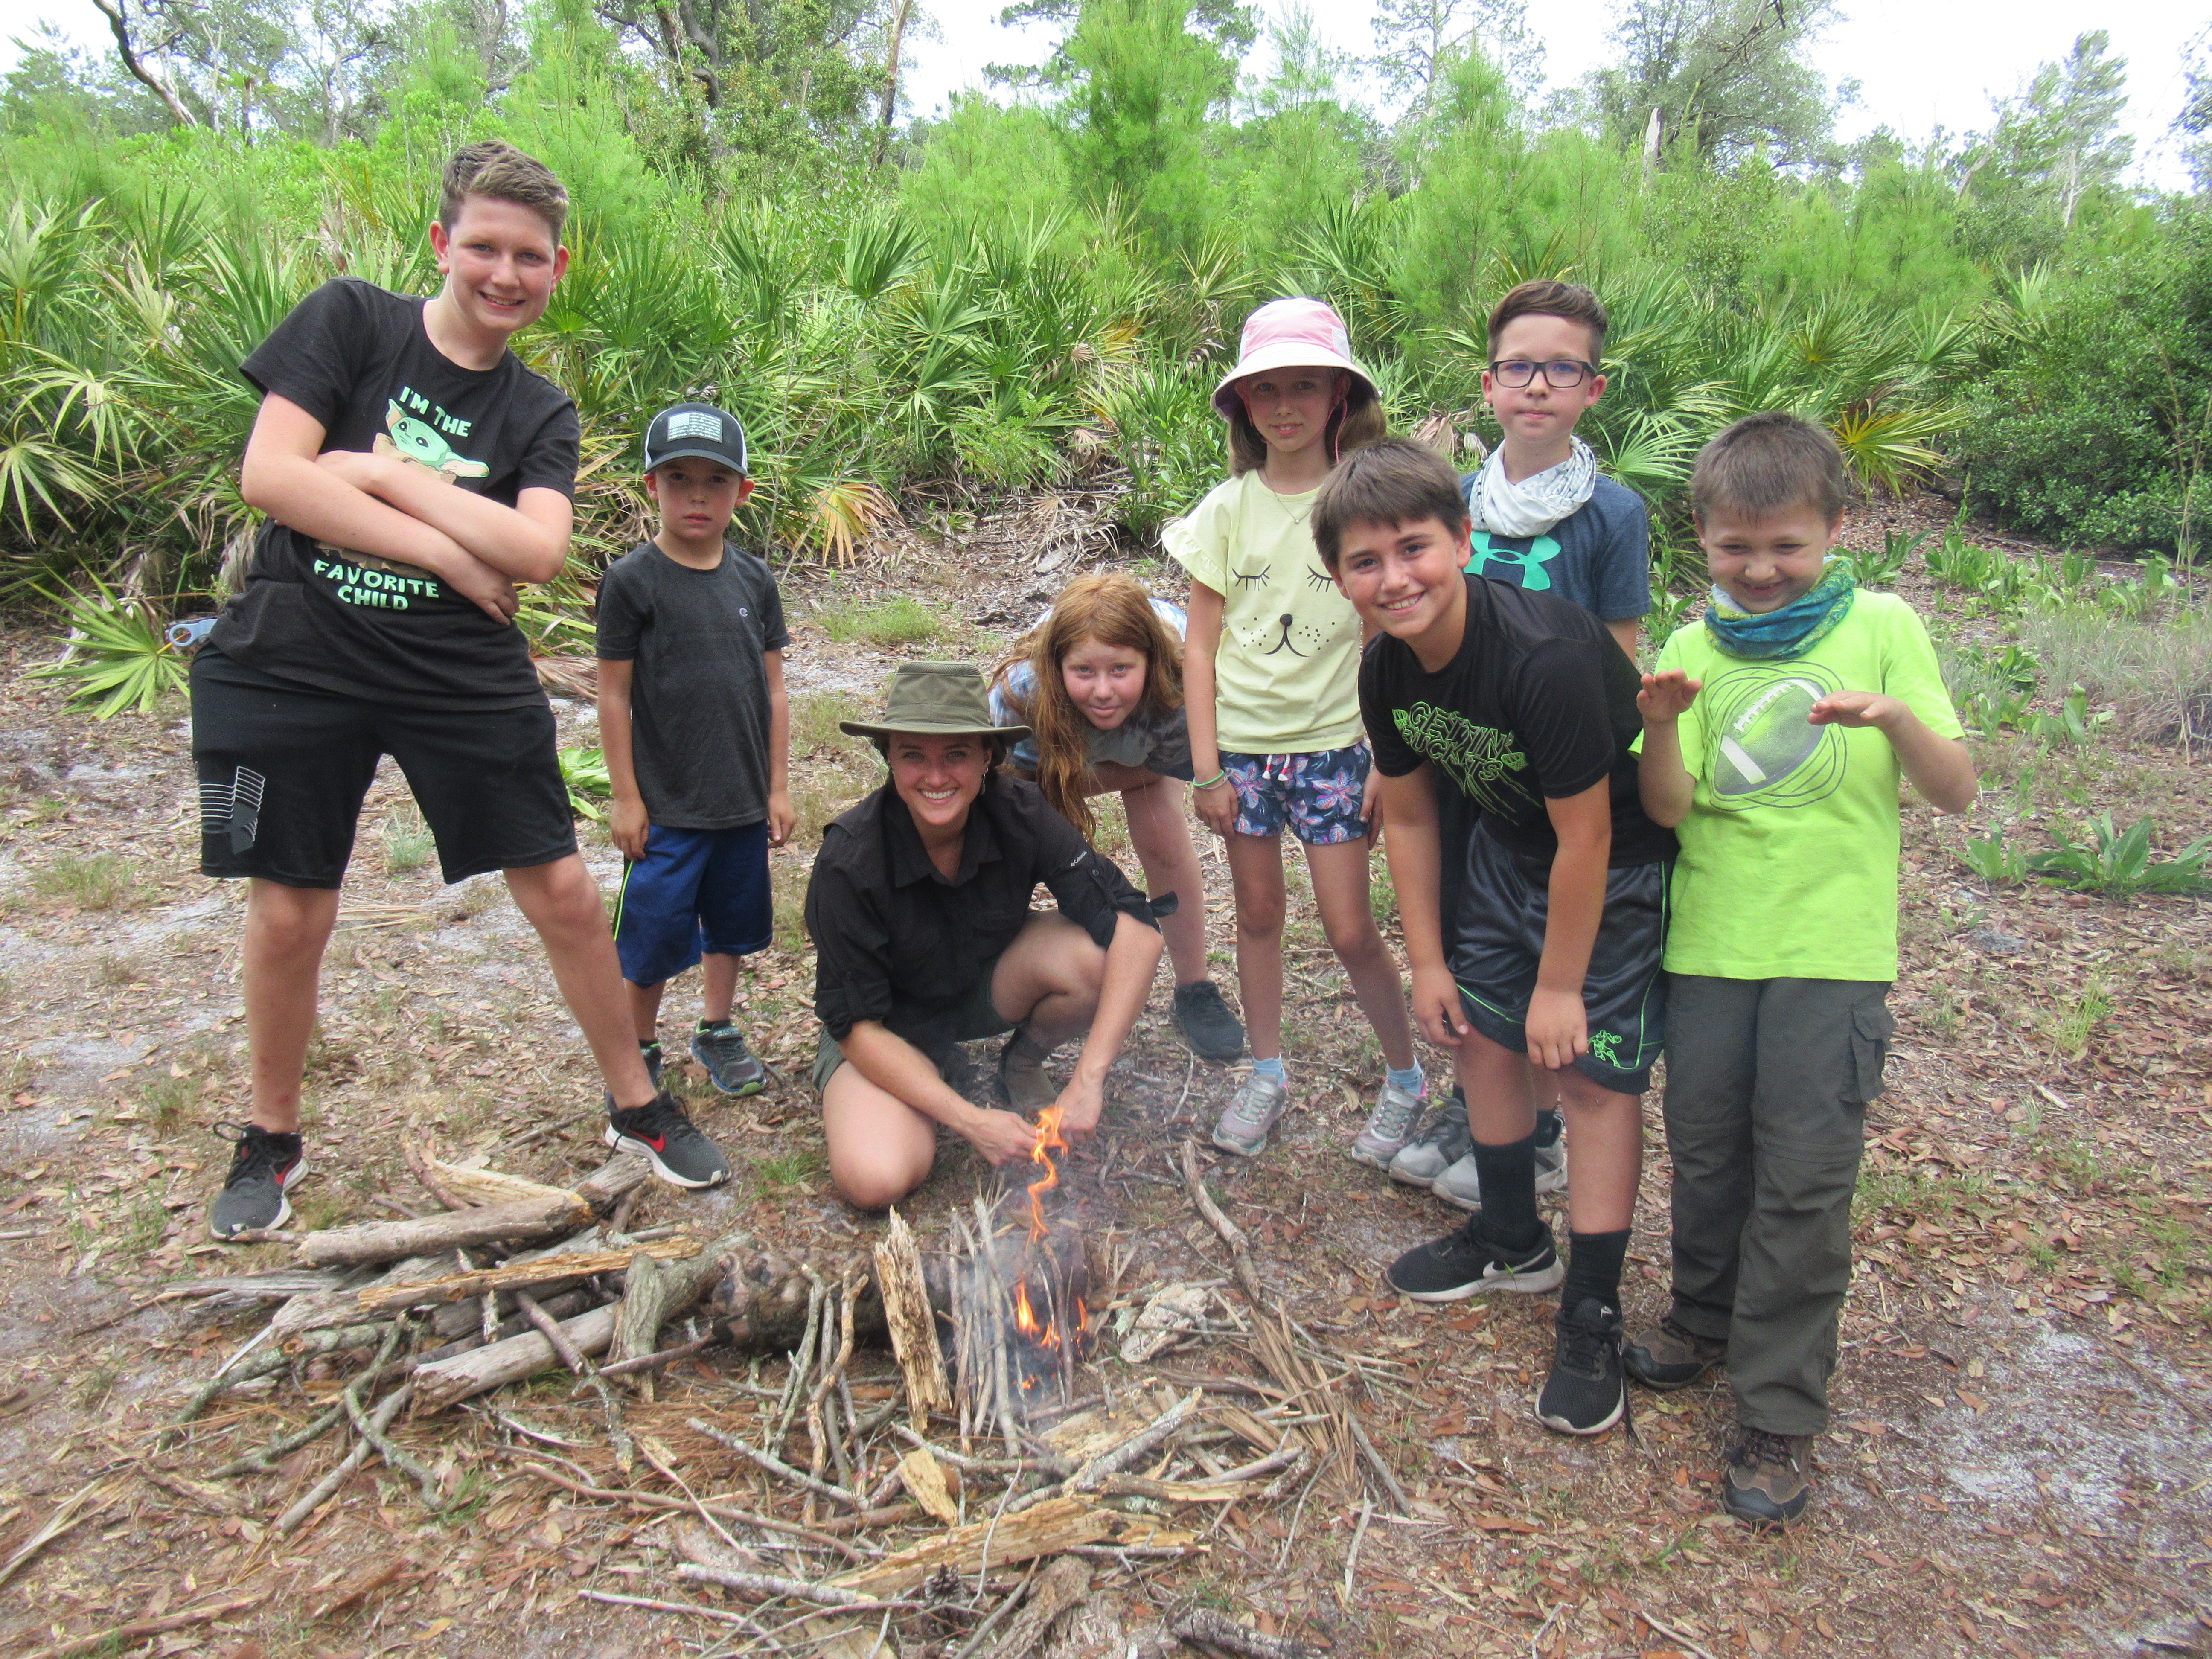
pixel 1026 1321
pixel 1048 1142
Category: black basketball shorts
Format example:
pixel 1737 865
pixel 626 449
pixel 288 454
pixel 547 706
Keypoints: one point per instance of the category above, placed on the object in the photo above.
pixel 283 766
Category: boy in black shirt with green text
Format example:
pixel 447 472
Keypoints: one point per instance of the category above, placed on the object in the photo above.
pixel 1553 956
pixel 412 472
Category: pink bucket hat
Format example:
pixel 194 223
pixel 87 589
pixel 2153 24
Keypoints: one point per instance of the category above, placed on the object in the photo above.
pixel 1293 333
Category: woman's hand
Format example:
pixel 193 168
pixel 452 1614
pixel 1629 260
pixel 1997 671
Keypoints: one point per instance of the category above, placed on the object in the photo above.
pixel 1002 1137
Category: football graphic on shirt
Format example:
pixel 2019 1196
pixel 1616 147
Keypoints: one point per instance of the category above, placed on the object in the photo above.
pixel 1761 749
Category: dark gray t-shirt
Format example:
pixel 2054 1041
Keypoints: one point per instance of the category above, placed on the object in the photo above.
pixel 698 698
pixel 1599 556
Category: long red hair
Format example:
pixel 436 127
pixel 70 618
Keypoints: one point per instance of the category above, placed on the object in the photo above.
pixel 1111 608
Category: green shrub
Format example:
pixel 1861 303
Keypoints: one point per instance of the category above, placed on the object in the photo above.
pixel 900 620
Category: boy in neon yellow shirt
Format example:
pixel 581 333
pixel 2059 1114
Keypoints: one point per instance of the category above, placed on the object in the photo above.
pixel 1774 735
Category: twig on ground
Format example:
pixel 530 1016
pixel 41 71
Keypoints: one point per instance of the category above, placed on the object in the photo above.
pixel 652 1606
pixel 975 1637
pixel 120 1637
pixel 765 1585
pixel 381 1419
pixel 653 1362
pixel 777 1466
pixel 80 1506
pixel 1212 1628
pixel 1376 1462
pixel 549 1328
pixel 1351 1557
pixel 650 1500
pixel 1669 1632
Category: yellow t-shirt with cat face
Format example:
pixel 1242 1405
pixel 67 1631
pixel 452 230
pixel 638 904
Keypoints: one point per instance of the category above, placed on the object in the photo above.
pixel 1286 675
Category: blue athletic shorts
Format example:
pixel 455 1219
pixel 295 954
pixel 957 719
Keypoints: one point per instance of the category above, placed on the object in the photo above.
pixel 1317 795
pixel 693 891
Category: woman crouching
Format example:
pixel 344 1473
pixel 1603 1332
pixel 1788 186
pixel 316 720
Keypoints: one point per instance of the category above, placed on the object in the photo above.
pixel 919 907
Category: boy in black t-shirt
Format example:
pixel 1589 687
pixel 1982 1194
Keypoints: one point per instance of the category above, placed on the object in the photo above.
pixel 1553 955
pixel 698 738
pixel 412 472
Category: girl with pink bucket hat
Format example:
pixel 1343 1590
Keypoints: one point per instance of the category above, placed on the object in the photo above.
pixel 1271 671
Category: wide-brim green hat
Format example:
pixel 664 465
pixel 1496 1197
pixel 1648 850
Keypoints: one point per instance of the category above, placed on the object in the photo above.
pixel 937 700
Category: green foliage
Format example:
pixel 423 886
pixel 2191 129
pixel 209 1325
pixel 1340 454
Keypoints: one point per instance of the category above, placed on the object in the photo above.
pixel 1970 567
pixel 897 621
pixel 1995 859
pixel 585 772
pixel 2121 863
pixel 1879 569
pixel 116 660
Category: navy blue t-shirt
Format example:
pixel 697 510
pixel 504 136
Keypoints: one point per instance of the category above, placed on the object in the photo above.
pixel 1599 556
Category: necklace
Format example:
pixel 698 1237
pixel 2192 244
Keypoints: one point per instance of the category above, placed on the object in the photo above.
pixel 1294 515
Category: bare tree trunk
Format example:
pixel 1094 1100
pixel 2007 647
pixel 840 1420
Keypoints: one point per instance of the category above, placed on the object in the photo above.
pixel 118 24
pixel 1654 130
pixel 891 79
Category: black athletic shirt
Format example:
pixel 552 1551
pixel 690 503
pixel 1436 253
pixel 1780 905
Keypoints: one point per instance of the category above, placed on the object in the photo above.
pixel 356 358
pixel 1538 704
pixel 698 695
pixel 895 941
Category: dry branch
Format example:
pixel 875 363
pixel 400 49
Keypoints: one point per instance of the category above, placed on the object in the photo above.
pixel 1213 1630
pixel 1055 1525
pixel 448 1382
pixel 120 1637
pixel 382 1297
pixel 431 1235
pixel 765 1585
pixel 776 1467
pixel 1057 1589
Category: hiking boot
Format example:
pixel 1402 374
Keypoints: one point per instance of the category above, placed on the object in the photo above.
pixel 1206 1022
pixel 1550 1152
pixel 680 1155
pixel 650 1054
pixel 1586 1392
pixel 1442 1141
pixel 263 1166
pixel 1769 1477
pixel 721 1047
pixel 1251 1112
pixel 1671 1357
pixel 1467 1263
pixel 1389 1126
pixel 1023 1084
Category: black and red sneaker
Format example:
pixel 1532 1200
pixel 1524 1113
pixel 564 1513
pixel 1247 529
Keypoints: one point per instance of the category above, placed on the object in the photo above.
pixel 262 1166
pixel 680 1154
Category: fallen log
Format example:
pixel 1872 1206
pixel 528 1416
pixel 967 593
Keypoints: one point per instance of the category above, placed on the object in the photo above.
pixel 620 1176
pixel 1204 1627
pixel 433 1234
pixel 1058 1588
pixel 666 1291
pixel 514 1275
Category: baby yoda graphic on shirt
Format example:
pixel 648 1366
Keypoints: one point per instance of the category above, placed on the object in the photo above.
pixel 421 442
pixel 363 579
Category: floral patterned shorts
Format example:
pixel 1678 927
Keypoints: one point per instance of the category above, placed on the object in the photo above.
pixel 1318 795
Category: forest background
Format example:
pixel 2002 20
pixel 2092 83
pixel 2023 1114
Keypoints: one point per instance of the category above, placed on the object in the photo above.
pixel 1037 290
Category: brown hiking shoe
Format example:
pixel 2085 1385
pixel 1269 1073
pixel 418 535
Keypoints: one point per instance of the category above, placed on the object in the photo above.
pixel 1671 1357
pixel 1022 1080
pixel 1769 1477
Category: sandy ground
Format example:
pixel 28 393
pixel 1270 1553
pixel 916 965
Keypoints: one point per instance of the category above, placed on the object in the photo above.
pixel 2023 1419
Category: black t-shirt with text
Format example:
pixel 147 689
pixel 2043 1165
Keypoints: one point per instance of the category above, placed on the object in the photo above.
pixel 698 693
pixel 1538 704
pixel 357 359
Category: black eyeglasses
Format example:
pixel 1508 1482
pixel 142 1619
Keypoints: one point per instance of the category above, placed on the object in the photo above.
pixel 1564 372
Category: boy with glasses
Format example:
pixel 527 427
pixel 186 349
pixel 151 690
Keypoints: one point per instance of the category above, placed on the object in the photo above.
pixel 1545 520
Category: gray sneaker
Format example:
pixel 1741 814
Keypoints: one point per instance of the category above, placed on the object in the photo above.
pixel 1389 1126
pixel 1461 1185
pixel 1550 1152
pixel 1252 1112
pixel 1442 1141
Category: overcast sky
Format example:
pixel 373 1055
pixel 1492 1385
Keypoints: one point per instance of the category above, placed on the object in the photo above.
pixel 1922 64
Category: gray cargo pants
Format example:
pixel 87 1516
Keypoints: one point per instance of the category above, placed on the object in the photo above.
pixel 1767 1084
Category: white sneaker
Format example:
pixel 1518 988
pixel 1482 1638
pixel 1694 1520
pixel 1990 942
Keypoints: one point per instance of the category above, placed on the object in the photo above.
pixel 1251 1112
pixel 1389 1126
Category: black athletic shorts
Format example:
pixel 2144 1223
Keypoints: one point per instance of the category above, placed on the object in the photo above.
pixel 283 769
pixel 1498 942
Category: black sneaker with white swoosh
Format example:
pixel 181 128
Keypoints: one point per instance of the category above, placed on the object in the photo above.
pixel 680 1155
pixel 1467 1263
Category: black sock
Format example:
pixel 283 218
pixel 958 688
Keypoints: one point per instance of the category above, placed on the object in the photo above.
pixel 1594 1264
pixel 715 1024
pixel 1509 1192
pixel 647 1045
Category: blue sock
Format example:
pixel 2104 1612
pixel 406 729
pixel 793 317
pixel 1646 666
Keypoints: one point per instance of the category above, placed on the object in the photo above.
pixel 1271 1069
pixel 1413 1080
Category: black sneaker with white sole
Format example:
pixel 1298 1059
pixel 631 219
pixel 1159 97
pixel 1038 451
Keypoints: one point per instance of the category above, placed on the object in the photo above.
pixel 680 1155
pixel 1206 1022
pixel 1467 1263
pixel 1587 1392
pixel 263 1165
